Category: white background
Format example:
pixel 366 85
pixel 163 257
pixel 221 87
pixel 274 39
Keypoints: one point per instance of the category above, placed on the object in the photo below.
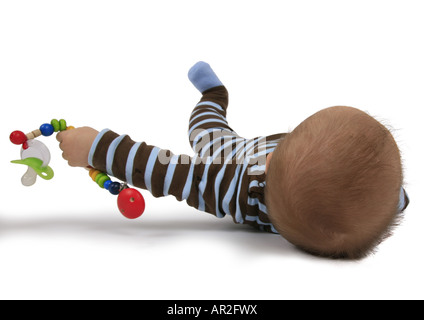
pixel 123 65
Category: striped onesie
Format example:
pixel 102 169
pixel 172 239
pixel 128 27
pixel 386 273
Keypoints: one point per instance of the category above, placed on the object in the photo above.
pixel 226 175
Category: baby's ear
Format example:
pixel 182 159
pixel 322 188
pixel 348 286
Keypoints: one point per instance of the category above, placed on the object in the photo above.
pixel 268 161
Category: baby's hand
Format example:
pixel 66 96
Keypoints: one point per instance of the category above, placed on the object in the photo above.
pixel 76 144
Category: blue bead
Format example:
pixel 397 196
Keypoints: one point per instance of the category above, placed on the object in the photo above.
pixel 107 184
pixel 114 188
pixel 46 129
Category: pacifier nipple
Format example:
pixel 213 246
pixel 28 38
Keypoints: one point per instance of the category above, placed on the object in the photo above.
pixel 29 178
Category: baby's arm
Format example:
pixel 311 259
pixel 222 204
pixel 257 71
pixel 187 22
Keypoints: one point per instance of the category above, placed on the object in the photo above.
pixel 148 167
pixel 135 163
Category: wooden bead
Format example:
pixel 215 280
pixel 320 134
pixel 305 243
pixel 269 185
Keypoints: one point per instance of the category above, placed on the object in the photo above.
pixel 131 203
pixel 90 171
pixel 46 129
pixel 102 179
pixel 18 137
pixel 93 174
pixel 107 184
pixel 115 188
pixel 62 125
pixel 33 134
pixel 55 125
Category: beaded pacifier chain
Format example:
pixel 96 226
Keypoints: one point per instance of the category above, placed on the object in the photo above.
pixel 36 156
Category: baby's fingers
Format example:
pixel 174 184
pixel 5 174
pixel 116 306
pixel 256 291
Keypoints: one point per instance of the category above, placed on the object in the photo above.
pixel 61 135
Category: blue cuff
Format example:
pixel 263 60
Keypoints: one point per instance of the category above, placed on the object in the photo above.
pixel 94 146
pixel 203 77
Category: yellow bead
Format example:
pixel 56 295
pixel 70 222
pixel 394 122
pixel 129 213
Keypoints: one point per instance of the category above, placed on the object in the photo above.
pixel 90 172
pixel 94 173
pixel 70 128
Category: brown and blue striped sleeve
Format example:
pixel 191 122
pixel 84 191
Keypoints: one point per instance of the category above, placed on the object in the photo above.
pixel 210 187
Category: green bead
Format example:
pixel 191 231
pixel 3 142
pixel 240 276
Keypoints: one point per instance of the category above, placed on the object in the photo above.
pixel 55 125
pixel 102 181
pixel 101 178
pixel 62 125
pixel 98 176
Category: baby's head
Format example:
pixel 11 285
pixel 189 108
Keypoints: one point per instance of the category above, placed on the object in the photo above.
pixel 333 184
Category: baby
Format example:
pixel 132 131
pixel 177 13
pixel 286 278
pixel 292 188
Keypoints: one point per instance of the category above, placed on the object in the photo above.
pixel 332 187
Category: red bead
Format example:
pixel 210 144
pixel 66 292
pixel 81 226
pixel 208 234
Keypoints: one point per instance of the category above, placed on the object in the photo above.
pixel 18 137
pixel 131 203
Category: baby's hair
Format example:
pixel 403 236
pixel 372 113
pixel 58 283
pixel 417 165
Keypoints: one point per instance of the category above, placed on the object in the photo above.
pixel 333 184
